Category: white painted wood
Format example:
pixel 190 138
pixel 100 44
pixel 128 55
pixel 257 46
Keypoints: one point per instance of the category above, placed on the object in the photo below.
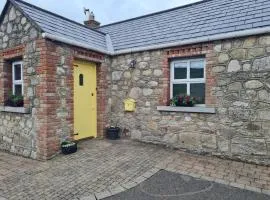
pixel 17 82
pixel 188 80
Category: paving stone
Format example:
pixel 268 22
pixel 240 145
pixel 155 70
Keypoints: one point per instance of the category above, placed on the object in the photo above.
pixel 103 195
pixel 129 185
pixel 237 185
pixel 266 192
pixel 80 175
pixel 92 197
pixel 87 171
pixel 253 189
pixel 117 190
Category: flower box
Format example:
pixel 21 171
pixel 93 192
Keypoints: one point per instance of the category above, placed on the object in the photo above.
pixel 113 133
pixel 68 147
pixel 14 101
pixel 182 101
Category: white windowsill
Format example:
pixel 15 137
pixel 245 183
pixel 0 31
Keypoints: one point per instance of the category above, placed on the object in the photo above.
pixel 21 110
pixel 196 109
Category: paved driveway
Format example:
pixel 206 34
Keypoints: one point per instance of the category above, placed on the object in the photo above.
pixel 98 165
pixel 103 168
pixel 171 186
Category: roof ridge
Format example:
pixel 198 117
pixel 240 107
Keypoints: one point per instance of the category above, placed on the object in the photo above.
pixel 57 15
pixel 156 13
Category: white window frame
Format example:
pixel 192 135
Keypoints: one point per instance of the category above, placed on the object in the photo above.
pixel 17 82
pixel 188 80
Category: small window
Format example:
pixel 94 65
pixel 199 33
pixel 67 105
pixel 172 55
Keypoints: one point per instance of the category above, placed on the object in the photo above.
pixel 17 78
pixel 81 79
pixel 188 78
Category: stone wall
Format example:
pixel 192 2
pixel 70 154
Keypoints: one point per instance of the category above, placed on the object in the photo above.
pixel 17 134
pixel 236 85
pixel 17 42
pixel 15 29
pixel 242 74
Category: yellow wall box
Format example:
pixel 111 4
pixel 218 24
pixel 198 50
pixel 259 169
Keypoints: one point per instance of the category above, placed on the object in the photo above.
pixel 130 105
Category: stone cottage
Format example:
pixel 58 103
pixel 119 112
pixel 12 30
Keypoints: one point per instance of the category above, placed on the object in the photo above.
pixel 73 78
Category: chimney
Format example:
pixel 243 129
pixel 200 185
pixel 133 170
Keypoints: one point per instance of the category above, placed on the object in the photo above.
pixel 90 19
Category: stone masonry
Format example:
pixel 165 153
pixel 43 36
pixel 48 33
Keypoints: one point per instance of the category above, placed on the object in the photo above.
pixel 242 90
pixel 237 86
pixel 17 41
pixel 237 76
pixel 47 116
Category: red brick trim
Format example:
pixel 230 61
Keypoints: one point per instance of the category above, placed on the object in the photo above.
pixel 6 80
pixel 102 100
pixel 189 51
pixel 88 55
pixel 48 143
pixel 11 53
pixel 7 56
pixel 49 124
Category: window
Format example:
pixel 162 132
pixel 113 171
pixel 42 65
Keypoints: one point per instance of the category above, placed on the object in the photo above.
pixel 81 79
pixel 188 78
pixel 17 78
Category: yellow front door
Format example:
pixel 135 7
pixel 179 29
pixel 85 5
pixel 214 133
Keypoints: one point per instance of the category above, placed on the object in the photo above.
pixel 85 100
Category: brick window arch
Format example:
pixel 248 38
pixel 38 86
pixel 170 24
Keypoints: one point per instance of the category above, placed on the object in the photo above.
pixel 189 52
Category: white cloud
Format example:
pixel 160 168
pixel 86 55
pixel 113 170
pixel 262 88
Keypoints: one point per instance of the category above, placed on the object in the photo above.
pixel 106 11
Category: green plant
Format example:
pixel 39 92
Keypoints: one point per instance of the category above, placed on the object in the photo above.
pixel 67 143
pixel 173 101
pixel 184 100
pixel 14 100
pixel 68 146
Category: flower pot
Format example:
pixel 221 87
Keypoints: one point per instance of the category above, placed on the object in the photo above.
pixel 68 147
pixel 113 133
pixel 14 103
pixel 189 104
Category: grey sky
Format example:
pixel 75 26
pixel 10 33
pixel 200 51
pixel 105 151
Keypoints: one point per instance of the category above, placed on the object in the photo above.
pixel 106 11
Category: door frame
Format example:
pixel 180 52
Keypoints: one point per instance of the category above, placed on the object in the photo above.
pixel 102 66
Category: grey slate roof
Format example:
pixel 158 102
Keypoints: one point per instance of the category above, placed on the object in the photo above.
pixel 60 26
pixel 201 19
pixel 206 18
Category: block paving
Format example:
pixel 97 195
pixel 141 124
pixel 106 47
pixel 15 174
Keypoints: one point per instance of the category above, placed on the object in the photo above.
pixel 237 174
pixel 103 168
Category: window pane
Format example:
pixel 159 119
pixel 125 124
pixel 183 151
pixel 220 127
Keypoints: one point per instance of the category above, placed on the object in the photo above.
pixel 179 89
pixel 18 90
pixel 81 79
pixel 196 69
pixel 197 90
pixel 17 72
pixel 180 70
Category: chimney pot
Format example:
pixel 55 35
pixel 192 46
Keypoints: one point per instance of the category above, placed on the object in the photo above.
pixel 90 20
pixel 92 16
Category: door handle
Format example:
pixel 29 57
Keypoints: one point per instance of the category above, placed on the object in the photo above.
pixel 76 134
pixel 92 94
